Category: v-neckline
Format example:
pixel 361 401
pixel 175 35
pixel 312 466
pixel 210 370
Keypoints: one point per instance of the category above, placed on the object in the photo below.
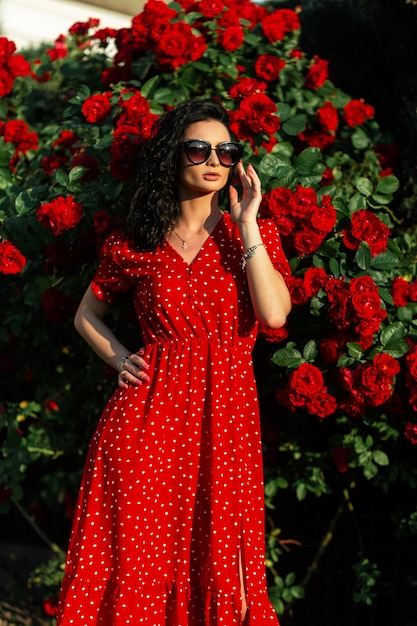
pixel 200 250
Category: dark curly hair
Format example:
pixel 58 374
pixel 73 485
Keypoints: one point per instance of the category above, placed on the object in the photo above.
pixel 152 208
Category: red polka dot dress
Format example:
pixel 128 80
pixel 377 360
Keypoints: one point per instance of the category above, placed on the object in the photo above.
pixel 172 499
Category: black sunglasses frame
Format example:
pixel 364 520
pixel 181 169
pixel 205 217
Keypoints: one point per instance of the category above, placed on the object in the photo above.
pixel 237 146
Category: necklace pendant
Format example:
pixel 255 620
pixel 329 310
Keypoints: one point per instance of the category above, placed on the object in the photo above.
pixel 184 245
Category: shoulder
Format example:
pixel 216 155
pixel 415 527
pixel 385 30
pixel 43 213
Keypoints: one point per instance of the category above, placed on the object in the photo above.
pixel 117 248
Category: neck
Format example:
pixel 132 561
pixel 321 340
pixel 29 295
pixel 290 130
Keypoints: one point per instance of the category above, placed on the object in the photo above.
pixel 195 215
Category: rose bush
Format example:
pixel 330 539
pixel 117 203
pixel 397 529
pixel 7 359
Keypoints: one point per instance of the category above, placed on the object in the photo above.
pixel 338 385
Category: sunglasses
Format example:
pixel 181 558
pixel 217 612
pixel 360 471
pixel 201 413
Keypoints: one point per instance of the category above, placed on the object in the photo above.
pixel 198 151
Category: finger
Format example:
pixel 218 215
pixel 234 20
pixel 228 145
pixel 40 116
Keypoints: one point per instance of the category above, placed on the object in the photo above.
pixel 133 372
pixel 233 195
pixel 138 361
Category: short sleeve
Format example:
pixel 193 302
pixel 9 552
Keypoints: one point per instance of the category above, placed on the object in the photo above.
pixel 272 240
pixel 112 276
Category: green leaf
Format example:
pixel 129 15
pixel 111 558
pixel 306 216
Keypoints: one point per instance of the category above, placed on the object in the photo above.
pixel 360 139
pixel 307 160
pixel 380 457
pixel 310 351
pixel 388 185
pixel 288 357
pixel 363 256
pixel 295 125
pixel 393 333
pixel 380 199
pixel 61 178
pixel 271 163
pixel 357 202
pixel 397 349
pixel 364 186
pixel 149 87
pixel 354 350
pixel 76 173
pixel 301 491
pixel 384 261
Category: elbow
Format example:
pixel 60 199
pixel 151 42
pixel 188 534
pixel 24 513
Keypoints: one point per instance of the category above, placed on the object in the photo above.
pixel 276 318
pixel 78 321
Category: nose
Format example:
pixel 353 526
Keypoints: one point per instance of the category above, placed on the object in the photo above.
pixel 213 158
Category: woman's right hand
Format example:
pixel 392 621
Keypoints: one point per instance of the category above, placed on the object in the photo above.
pixel 135 371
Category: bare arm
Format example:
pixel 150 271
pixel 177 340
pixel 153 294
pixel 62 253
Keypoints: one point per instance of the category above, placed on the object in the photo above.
pixel 269 293
pixel 89 323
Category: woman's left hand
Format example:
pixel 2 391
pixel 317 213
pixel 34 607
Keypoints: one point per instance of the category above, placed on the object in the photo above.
pixel 246 210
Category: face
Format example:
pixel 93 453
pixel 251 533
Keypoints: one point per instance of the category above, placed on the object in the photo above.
pixel 210 176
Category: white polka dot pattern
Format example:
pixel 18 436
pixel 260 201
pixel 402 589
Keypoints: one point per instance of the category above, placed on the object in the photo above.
pixel 172 492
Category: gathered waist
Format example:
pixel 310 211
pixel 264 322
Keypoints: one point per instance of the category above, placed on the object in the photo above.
pixel 244 346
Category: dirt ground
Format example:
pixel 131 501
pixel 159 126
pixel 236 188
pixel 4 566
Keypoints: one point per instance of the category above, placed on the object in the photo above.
pixel 18 605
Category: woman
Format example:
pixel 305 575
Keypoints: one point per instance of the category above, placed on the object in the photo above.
pixel 169 528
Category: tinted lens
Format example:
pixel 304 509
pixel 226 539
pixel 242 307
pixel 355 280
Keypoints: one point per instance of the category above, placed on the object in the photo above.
pixel 197 151
pixel 229 153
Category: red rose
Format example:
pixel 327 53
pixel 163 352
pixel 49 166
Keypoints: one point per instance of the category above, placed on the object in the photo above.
pixel 400 292
pixel 314 279
pixel 341 311
pixel 51 405
pixel 413 291
pixel 324 218
pixel 306 380
pixel 299 295
pixel 276 202
pixel 276 25
pixel 17 132
pixel 367 304
pixel 123 151
pixel 79 29
pixel 103 223
pixel 246 87
pixel 317 74
pixel 341 456
pixel 211 8
pixel 268 67
pixel 60 214
pixel 50 164
pixel 366 226
pixel 60 49
pixel 410 431
pixel 257 115
pixel 19 66
pixel 322 404
pixel 386 364
pixel 362 284
pixel 6 82
pixel 96 108
pixel 307 242
pixel 66 140
pixel 231 39
pixel 11 260
pixel 50 607
pixel 274 334
pixel 177 45
pixel 332 348
pixel 317 139
pixel 356 112
pixel 328 116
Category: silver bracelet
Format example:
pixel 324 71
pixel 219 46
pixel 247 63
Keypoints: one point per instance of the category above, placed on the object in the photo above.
pixel 249 253
pixel 121 362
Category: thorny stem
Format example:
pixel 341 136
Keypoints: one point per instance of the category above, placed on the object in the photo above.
pixel 51 545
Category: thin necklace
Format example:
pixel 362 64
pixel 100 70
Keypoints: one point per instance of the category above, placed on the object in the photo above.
pixel 185 241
